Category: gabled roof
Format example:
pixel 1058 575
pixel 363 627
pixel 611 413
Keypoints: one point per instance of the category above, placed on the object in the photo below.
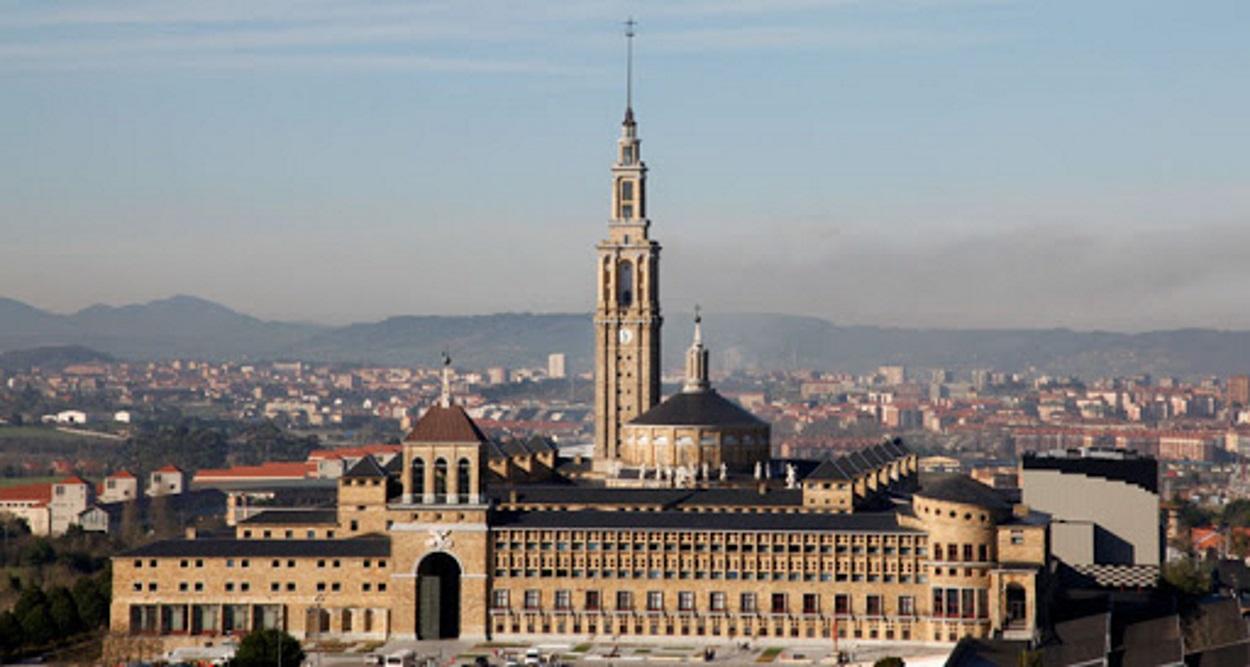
pixel 366 467
pixel 698 408
pixel 169 468
pixel 395 466
pixel 38 493
pixel 73 479
pixel 446 424
pixel 121 474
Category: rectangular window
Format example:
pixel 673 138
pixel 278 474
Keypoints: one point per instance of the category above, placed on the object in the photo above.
pixel 746 603
pixel 624 601
pixel 906 605
pixel 873 605
pixel 983 553
pixel 937 552
pixel 716 601
pixel 842 604
pixel 685 601
pixel 811 603
pixel 952 552
pixel 967 604
pixel 952 602
pixel 967 553
pixel 779 603
pixel 500 599
pixel 655 600
pixel 1017 537
pixel 627 190
pixel 939 608
pixel 592 601
pixel 533 599
pixel 564 600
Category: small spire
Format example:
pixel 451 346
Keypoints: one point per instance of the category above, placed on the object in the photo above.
pixel 445 400
pixel 697 359
pixel 630 24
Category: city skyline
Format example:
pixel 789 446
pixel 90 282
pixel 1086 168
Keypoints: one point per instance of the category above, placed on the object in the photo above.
pixel 951 164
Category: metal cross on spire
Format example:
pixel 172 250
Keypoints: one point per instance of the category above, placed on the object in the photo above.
pixel 630 24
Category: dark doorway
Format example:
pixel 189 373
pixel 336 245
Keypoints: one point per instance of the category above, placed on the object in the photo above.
pixel 1017 608
pixel 438 597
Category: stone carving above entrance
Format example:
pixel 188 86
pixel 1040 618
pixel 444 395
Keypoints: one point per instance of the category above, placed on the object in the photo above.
pixel 440 540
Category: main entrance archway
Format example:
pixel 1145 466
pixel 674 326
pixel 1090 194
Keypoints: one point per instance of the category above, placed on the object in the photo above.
pixel 438 597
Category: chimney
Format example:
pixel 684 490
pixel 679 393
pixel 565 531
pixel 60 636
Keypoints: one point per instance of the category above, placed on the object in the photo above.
pixel 512 497
pixel 762 487
pixel 190 533
pixel 1020 510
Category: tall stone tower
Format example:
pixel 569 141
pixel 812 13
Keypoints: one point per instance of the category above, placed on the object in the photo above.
pixel 627 315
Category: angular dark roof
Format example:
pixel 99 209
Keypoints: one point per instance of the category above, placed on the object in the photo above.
pixel 360 547
pixel 450 424
pixel 287 517
pixel 395 466
pixel 698 408
pixel 882 522
pixel 956 488
pixel 366 468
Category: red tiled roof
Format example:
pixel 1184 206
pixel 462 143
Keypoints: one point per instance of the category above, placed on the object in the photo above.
pixel 169 468
pixel 121 474
pixel 450 424
pixel 41 493
pixel 295 469
pixel 354 452
pixel 72 479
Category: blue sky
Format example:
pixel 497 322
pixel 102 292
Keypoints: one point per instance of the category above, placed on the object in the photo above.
pixel 958 163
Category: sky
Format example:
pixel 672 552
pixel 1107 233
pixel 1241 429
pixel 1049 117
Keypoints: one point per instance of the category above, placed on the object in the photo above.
pixel 935 163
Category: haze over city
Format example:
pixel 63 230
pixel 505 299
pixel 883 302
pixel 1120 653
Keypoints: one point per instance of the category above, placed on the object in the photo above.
pixel 954 163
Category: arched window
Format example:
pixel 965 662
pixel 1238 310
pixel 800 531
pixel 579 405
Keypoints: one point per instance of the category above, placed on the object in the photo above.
pixel 440 480
pixel 462 479
pixel 418 477
pixel 625 284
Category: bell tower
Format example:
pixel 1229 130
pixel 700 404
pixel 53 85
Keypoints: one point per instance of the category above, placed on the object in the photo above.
pixel 627 312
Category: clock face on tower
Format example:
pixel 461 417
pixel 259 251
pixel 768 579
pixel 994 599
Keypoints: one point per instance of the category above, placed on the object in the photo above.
pixel 625 336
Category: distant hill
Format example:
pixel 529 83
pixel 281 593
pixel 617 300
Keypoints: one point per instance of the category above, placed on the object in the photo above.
pixel 184 326
pixel 58 356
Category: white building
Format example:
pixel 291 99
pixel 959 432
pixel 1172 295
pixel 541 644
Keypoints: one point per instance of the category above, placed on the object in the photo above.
pixel 555 366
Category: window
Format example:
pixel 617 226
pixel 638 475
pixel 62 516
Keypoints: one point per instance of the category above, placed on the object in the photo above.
pixel 746 603
pixel 906 605
pixel 937 552
pixel 418 477
pixel 624 601
pixel 564 600
pixel 968 553
pixel 952 552
pixel 873 605
pixel 983 553
pixel 685 601
pixel 462 478
pixel 655 600
pixel 592 601
pixel 1017 537
pixel 440 480
pixel 625 283
pixel 499 599
pixel 811 603
pixel 966 602
pixel 533 599
pixel 778 603
pixel 842 604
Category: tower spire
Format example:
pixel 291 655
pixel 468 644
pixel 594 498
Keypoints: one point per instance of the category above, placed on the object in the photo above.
pixel 697 359
pixel 630 24
pixel 445 400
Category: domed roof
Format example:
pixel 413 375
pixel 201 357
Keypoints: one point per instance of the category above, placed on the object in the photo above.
pixel 698 408
pixel 956 488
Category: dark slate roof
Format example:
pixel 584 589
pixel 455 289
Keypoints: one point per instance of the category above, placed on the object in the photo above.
pixel 744 497
pixel 288 517
pixel 450 424
pixel 971 652
pixel 697 408
pixel 1152 642
pixel 666 498
pixel 367 468
pixel 395 466
pixel 884 522
pixel 1080 641
pixel 956 488
pixel 1233 655
pixel 360 547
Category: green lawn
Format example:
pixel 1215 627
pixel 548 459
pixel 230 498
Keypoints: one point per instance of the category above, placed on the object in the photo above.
pixel 770 654
pixel 41 433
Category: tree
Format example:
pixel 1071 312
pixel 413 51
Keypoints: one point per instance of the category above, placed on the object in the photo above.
pixel 91 597
pixel 37 625
pixel 38 552
pixel 261 649
pixel 889 661
pixel 64 612
pixel 1188 576
pixel 10 633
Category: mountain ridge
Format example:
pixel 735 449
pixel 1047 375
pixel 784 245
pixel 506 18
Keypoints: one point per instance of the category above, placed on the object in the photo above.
pixel 189 326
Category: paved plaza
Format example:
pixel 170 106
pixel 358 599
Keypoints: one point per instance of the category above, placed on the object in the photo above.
pixel 606 652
